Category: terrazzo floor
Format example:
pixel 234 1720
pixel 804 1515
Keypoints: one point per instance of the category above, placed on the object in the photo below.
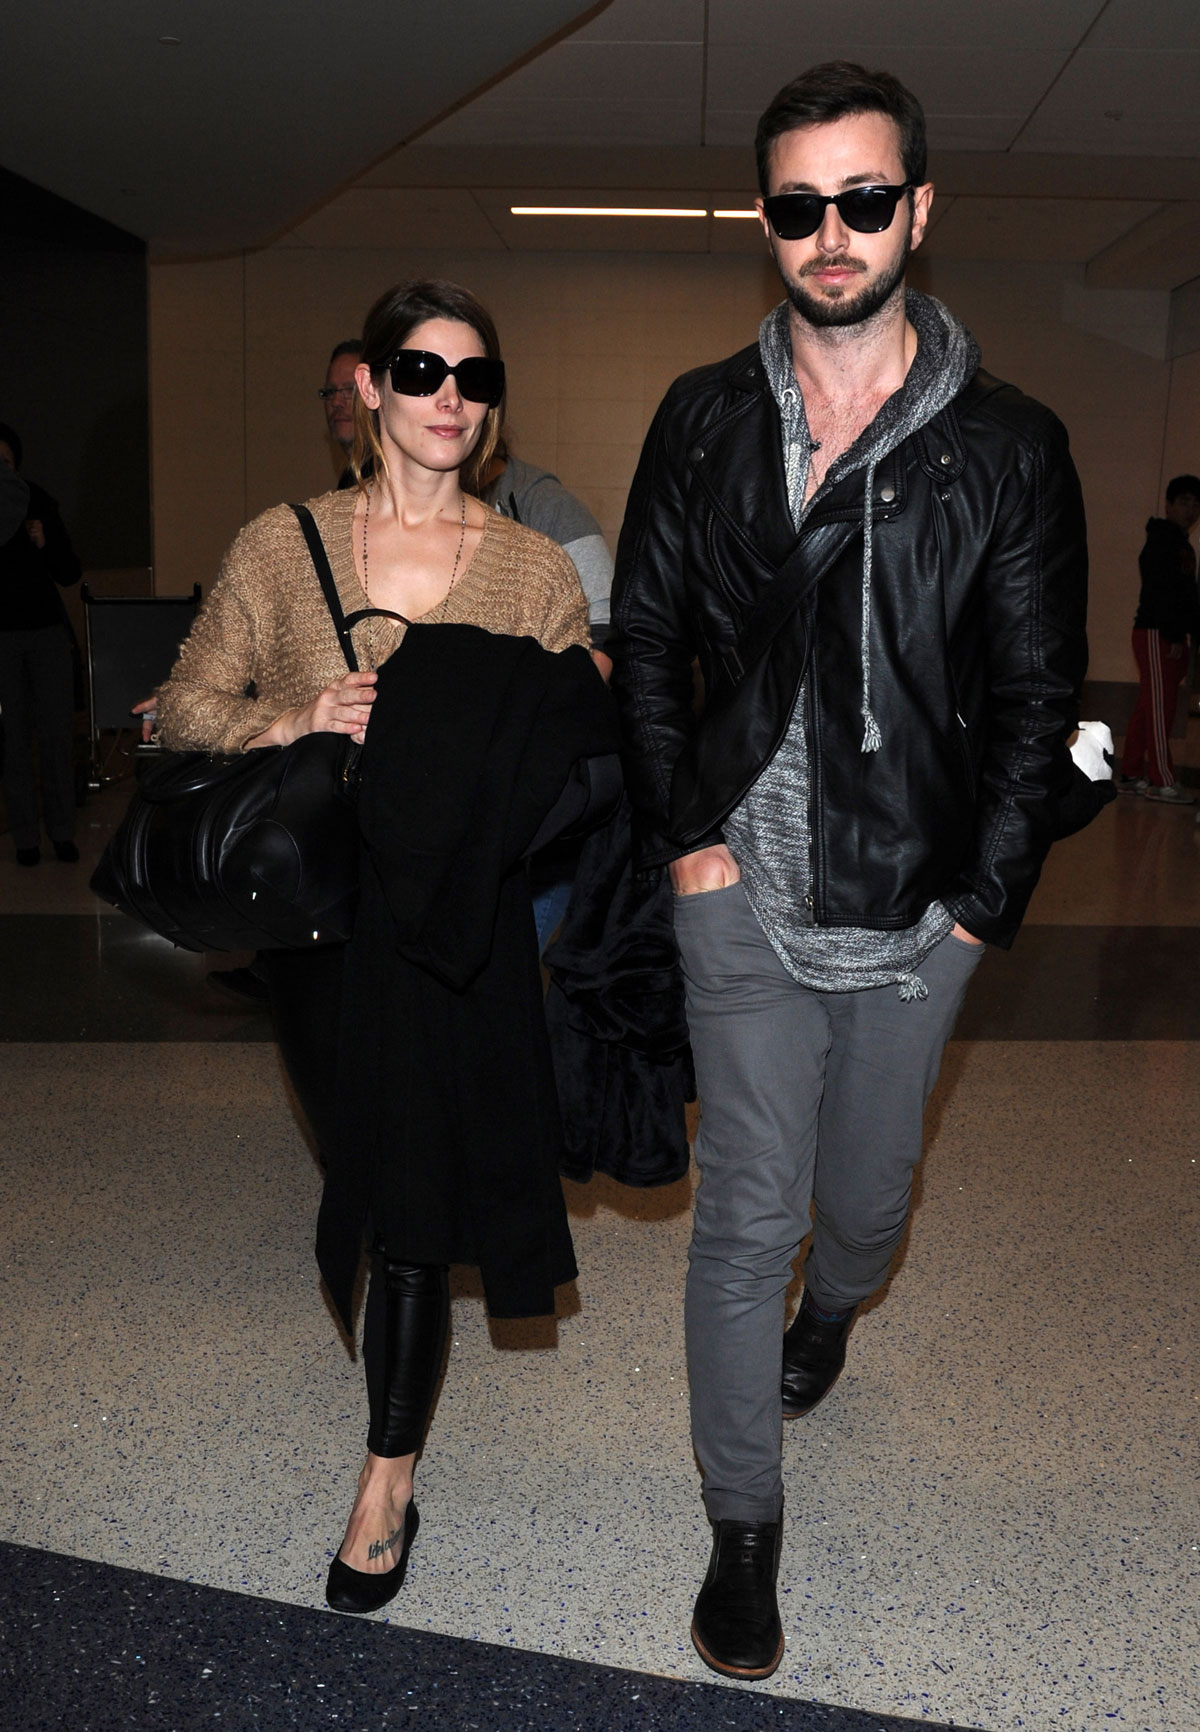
pixel 992 1522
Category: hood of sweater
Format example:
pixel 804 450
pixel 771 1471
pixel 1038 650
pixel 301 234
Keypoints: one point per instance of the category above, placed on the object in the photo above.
pixel 947 356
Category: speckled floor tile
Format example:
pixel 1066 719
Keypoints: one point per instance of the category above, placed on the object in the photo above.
pixel 991 1522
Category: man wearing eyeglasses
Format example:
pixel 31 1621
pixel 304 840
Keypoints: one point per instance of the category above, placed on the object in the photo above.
pixel 876 552
pixel 337 394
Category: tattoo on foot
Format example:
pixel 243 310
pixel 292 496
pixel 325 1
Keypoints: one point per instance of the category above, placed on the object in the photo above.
pixel 377 1548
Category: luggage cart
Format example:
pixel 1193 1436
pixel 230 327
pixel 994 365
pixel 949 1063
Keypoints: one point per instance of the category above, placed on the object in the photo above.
pixel 131 644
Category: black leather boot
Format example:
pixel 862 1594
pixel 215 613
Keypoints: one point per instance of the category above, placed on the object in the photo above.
pixel 735 1626
pixel 814 1352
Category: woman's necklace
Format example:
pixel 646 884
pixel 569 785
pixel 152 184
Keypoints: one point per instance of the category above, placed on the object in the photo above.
pixel 462 536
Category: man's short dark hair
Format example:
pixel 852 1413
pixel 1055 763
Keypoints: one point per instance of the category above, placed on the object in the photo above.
pixel 1183 484
pixel 352 346
pixel 10 437
pixel 832 91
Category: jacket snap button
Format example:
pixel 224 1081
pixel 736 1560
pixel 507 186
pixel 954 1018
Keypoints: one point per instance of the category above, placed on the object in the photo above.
pixel 887 494
pixel 696 453
pixel 946 458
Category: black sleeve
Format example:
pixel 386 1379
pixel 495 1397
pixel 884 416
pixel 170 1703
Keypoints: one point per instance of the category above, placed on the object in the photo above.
pixel 651 641
pixel 1036 618
pixel 14 502
pixel 59 559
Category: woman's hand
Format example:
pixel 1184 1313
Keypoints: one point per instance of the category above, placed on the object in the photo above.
pixel 148 711
pixel 707 869
pixel 342 708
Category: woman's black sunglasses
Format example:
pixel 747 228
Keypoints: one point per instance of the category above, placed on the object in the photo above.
pixel 419 372
pixel 867 209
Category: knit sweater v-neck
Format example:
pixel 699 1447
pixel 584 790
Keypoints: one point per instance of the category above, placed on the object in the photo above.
pixel 264 641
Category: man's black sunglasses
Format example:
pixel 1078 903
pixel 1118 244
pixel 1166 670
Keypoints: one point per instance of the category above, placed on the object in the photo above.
pixel 419 372
pixel 867 209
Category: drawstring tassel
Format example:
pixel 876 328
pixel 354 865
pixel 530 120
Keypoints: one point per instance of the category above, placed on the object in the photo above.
pixel 872 738
pixel 912 987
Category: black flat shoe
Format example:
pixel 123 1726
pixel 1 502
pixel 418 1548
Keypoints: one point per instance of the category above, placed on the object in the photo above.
pixel 28 856
pixel 814 1352
pixel 735 1627
pixel 350 1590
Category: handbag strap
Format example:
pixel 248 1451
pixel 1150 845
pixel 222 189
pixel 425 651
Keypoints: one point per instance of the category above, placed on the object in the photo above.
pixel 343 623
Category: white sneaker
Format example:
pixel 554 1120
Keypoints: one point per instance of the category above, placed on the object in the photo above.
pixel 1171 794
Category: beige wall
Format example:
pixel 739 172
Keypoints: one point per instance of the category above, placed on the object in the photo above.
pixel 592 341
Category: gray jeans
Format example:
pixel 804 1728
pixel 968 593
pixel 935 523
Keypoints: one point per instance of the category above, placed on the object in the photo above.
pixel 806 1098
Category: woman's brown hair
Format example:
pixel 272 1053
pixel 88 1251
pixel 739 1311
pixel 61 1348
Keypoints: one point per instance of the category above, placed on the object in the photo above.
pixel 393 318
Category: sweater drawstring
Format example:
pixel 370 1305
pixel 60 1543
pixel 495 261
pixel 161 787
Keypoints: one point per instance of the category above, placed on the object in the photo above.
pixel 912 987
pixel 872 738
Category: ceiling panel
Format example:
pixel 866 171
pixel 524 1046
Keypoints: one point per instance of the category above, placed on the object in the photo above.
pixel 398 217
pixel 1141 104
pixel 646 21
pixel 865 25
pixel 589 93
pixel 946 79
pixel 575 123
pixel 579 70
pixel 733 128
pixel 1170 26
pixel 1025 230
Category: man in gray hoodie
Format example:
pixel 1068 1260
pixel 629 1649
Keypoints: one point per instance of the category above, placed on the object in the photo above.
pixel 876 553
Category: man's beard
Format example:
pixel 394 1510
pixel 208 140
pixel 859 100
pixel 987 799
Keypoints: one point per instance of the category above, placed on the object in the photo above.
pixel 825 311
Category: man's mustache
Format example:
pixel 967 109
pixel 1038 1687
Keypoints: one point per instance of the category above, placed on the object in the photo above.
pixel 846 264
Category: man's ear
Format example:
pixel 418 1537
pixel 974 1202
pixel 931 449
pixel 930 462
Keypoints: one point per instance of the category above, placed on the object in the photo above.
pixel 922 198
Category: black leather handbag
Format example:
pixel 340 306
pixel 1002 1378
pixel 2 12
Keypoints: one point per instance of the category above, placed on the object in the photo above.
pixel 257 851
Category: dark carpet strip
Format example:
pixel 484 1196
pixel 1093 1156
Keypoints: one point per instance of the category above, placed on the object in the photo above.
pixel 100 978
pixel 100 1649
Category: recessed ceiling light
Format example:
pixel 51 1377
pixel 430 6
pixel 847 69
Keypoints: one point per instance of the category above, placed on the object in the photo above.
pixel 735 213
pixel 588 210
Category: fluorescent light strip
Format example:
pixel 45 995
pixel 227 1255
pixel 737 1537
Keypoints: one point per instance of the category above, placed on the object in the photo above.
pixel 613 210
pixel 584 210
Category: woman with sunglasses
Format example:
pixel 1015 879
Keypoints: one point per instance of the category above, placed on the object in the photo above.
pixel 261 667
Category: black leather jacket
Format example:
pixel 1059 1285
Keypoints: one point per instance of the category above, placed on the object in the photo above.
pixel 978 648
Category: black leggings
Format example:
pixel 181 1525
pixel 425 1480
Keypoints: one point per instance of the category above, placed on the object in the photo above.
pixel 404 1337
pixel 408 1304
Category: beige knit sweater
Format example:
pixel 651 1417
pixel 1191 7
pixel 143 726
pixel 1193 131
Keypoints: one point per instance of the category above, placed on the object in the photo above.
pixel 266 620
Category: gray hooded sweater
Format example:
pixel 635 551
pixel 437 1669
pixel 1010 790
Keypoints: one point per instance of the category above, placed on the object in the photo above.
pixel 768 833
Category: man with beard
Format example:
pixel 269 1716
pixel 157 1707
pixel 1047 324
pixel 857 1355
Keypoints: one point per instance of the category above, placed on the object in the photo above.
pixel 876 553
